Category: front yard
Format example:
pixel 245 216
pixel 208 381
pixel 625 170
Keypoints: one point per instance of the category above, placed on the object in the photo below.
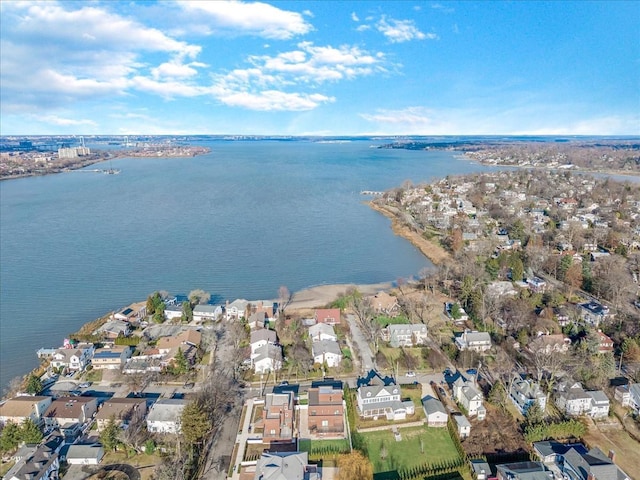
pixel 418 446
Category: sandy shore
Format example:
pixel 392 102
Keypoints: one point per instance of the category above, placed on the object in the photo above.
pixel 432 251
pixel 321 295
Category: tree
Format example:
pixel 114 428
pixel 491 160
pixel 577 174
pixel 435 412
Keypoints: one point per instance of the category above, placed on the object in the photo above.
pixel 498 395
pixel 180 363
pixel 364 312
pixel 29 431
pixel 354 466
pixel 187 312
pixel 195 424
pixel 34 385
pixel 10 437
pixel 153 302
pixel 109 436
pixel 533 416
pixel 199 297
pixel 284 299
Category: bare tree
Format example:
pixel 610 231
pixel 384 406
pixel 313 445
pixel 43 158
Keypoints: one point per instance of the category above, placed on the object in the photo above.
pixel 364 312
pixel 199 297
pixel 284 299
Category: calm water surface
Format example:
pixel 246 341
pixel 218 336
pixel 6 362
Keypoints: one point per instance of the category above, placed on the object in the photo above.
pixel 238 222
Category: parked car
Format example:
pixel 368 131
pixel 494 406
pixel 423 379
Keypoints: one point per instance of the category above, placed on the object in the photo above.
pixel 84 385
pixel 411 374
pixel 189 385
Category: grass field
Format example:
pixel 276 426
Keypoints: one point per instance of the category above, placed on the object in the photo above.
pixel 625 447
pixel 318 446
pixel 419 445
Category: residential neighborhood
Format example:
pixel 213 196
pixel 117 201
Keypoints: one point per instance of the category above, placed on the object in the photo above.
pixel 530 370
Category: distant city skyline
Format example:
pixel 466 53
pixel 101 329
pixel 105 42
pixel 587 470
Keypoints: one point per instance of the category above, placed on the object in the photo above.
pixel 320 68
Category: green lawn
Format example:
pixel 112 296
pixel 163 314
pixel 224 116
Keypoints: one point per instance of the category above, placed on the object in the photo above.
pixel 436 445
pixel 322 446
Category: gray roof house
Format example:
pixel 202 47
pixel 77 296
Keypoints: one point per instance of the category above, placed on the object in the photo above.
pixel 523 471
pixel 406 335
pixel 37 462
pixel 383 401
pixel 327 351
pixel 593 465
pixel 285 466
pixel 164 416
pixel 434 411
pixel 475 341
pixel 523 393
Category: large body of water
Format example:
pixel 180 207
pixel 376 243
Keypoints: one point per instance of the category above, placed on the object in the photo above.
pixel 238 222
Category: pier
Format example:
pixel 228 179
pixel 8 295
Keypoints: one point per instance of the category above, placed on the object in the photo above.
pixel 372 193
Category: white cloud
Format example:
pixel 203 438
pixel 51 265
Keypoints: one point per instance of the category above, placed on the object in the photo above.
pixel 354 17
pixel 60 121
pixel 274 100
pixel 539 120
pixel 398 31
pixel 78 54
pixel 246 18
pixel 271 81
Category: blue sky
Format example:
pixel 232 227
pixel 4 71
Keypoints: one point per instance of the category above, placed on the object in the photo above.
pixel 320 67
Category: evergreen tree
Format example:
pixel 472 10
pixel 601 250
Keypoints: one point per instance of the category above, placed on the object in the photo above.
pixel 29 431
pixel 109 436
pixel 10 437
pixel 180 365
pixel 195 424
pixel 34 385
pixel 187 312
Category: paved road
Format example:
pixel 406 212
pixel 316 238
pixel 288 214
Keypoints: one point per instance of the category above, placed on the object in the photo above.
pixel 366 355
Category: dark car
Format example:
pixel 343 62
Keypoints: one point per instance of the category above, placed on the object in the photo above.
pixel 189 385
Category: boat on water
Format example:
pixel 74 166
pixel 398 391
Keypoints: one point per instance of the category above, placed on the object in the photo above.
pixel 111 171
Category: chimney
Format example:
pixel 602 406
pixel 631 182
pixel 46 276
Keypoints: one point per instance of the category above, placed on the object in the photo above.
pixel 612 455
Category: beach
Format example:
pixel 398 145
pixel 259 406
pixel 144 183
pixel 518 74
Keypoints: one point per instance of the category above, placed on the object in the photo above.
pixel 322 295
pixel 429 249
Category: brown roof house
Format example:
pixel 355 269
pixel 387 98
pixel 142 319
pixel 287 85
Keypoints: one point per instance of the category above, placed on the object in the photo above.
pixel 328 315
pixel 16 409
pixel 385 304
pixel 326 411
pixel 122 410
pixel 69 410
pixel 277 417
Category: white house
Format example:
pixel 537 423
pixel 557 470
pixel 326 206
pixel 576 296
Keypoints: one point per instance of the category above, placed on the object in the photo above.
pixel 262 337
pixel 594 313
pixel 17 409
pixel 267 358
pixel 327 351
pixel 203 313
pixel 406 335
pixel 434 411
pixel 472 340
pixel 629 395
pixel 236 309
pixel 164 416
pixel 599 404
pixel 171 312
pixel 469 397
pixel 72 358
pixel 83 454
pixel 463 426
pixel 573 400
pixel 322 331
pixel 524 393
pixel 383 401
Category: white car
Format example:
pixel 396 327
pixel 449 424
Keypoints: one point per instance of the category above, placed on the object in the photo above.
pixel 411 374
pixel 84 385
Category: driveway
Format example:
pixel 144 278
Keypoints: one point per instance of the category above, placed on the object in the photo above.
pixel 366 355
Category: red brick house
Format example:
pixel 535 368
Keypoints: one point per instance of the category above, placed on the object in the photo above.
pixel 277 417
pixel 326 410
pixel 330 316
